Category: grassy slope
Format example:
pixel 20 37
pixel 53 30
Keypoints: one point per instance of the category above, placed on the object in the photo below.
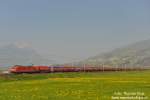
pixel 73 86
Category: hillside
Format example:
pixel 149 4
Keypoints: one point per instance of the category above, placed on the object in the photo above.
pixel 13 54
pixel 134 55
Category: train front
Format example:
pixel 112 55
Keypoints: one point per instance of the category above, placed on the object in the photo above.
pixel 13 69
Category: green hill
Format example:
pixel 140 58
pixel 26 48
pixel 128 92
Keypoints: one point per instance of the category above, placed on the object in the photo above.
pixel 134 55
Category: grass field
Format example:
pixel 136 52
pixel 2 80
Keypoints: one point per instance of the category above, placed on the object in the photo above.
pixel 76 86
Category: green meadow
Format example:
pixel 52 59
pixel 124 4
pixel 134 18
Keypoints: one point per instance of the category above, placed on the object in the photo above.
pixel 132 85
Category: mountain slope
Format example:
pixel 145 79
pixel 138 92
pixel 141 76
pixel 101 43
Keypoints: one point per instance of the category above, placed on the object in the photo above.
pixel 13 54
pixel 134 55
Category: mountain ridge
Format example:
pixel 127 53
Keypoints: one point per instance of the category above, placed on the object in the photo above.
pixel 133 55
pixel 13 54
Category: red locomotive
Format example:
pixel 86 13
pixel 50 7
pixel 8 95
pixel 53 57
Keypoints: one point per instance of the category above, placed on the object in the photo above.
pixel 29 69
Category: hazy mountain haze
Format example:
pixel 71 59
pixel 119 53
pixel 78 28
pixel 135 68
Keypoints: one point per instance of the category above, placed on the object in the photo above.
pixel 133 55
pixel 14 54
pixel 74 29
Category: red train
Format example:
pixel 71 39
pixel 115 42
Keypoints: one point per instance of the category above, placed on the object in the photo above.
pixel 51 69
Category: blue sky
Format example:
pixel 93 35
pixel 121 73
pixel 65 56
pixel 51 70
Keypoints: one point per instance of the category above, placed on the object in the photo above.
pixel 74 29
